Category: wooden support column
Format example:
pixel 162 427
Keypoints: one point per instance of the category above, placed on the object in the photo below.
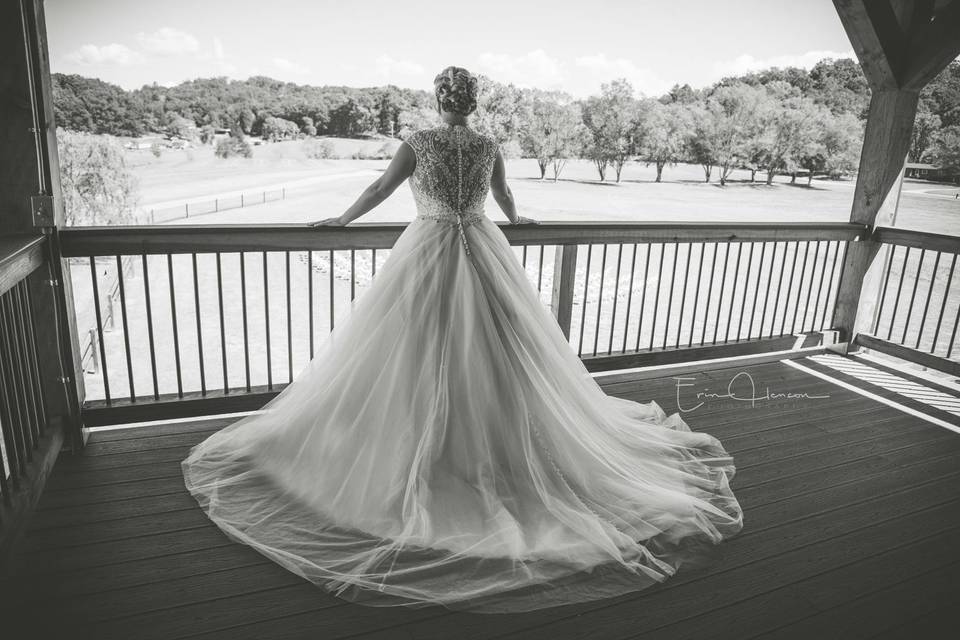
pixel 29 168
pixel 901 45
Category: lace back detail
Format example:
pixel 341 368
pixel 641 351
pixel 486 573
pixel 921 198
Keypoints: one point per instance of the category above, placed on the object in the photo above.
pixel 452 176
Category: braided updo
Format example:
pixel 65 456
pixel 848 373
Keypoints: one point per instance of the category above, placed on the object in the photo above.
pixel 456 90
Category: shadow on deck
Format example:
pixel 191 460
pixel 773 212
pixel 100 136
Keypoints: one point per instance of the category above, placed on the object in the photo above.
pixel 852 529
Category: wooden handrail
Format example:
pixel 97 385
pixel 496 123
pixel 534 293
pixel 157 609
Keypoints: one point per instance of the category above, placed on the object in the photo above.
pixel 167 239
pixel 20 255
pixel 918 239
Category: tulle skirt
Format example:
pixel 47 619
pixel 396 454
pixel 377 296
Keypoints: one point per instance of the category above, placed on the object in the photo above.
pixel 447 446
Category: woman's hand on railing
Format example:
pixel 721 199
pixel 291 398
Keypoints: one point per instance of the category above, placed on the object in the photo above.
pixel 525 220
pixel 328 222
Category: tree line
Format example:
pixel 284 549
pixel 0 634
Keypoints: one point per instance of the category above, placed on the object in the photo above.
pixel 777 121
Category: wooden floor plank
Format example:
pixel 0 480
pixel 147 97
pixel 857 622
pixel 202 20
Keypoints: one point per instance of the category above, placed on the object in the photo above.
pixel 840 495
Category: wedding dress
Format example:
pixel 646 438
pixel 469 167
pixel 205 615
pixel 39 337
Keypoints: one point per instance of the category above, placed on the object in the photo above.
pixel 446 445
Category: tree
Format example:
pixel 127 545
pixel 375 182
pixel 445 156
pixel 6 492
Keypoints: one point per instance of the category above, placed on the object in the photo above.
pixel 791 132
pixel 611 119
pixel 737 114
pixel 946 150
pixel 235 145
pixel 925 127
pixel 666 127
pixel 274 129
pixel 98 187
pixel 307 126
pixel 700 139
pixel 551 131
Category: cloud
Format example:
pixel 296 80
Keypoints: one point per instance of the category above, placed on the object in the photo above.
pixel 168 41
pixel 217 48
pixel 532 69
pixel 603 69
pixel 290 67
pixel 746 63
pixel 108 54
pixel 387 66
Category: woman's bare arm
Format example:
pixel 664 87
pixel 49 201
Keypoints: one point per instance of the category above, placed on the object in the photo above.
pixel 502 193
pixel 501 190
pixel 399 169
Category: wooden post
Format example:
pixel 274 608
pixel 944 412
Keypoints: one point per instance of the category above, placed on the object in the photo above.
pixel 29 167
pixel 901 45
pixel 561 295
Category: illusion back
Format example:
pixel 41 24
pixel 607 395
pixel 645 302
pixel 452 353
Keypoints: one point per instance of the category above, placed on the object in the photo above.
pixel 452 176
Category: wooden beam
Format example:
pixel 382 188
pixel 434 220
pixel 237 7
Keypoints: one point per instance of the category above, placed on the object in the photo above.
pixel 871 27
pixel 673 355
pixel 938 44
pixel 915 356
pixel 885 144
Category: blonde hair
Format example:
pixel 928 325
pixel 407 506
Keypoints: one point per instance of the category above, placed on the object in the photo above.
pixel 456 90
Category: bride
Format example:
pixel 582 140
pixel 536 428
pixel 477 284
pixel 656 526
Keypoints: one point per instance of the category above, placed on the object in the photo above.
pixel 446 445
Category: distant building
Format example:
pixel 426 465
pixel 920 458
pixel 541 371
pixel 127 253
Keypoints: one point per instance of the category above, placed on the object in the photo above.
pixel 924 171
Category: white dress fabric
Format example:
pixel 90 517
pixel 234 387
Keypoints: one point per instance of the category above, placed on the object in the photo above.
pixel 446 446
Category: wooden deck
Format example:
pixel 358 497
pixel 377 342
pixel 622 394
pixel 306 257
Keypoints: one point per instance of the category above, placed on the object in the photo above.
pixel 852 530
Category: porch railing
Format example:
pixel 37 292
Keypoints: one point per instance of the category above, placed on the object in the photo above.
pixel 30 441
pixel 219 318
pixel 918 309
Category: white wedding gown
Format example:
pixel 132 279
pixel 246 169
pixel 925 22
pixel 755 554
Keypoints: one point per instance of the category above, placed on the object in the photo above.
pixel 447 446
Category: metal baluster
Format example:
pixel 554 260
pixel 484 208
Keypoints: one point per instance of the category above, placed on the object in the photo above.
pixel 813 270
pixel 696 295
pixel 926 307
pixel 289 326
pixel 656 297
pixel 733 293
pixel 196 310
pixel 176 334
pixel 16 363
pixel 723 283
pixel 843 268
pixel 786 297
pixel 603 268
pixel 223 331
pixel 353 278
pixel 126 332
pixel 913 296
pixel 943 305
pixel 310 296
pixel 96 307
pixel 616 290
pixel 823 270
pixel 331 290
pixel 246 331
pixel 35 358
pixel 540 270
pixel 883 291
pixel 266 320
pixel 153 351
pixel 643 294
pixel 896 302
pixel 31 395
pixel 583 311
pixel 746 288
pixel 673 279
pixel 626 324
pixel 766 295
pixel 756 292
pixel 706 309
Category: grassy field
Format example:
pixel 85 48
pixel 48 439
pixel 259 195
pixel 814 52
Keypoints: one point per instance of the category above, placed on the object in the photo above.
pixel 320 188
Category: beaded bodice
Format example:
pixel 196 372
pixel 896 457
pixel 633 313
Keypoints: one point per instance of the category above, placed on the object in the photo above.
pixel 452 176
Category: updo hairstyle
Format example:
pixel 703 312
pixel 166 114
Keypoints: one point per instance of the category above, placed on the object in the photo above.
pixel 456 90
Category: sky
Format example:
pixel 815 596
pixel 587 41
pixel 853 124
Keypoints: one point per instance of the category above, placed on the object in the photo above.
pixel 562 45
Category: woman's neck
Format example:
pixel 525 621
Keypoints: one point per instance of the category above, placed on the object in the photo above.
pixel 453 118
